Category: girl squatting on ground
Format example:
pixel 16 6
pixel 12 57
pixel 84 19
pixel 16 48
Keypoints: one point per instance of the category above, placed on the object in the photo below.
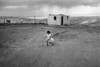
pixel 49 39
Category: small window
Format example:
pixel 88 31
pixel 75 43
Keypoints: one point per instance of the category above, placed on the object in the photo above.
pixel 8 21
pixel 67 17
pixel 55 18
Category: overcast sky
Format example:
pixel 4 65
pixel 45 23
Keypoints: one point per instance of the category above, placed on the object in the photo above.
pixel 44 7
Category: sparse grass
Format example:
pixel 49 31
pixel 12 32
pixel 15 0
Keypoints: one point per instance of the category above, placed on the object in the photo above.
pixel 75 46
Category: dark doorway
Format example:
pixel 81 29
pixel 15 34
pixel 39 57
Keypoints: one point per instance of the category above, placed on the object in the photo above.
pixel 62 20
pixel 55 18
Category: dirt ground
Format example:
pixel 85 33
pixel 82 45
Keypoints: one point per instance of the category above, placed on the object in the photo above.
pixel 24 46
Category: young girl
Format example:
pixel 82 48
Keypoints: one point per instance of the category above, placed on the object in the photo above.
pixel 49 38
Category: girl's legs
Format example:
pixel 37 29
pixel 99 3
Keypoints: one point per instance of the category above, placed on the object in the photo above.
pixel 47 43
pixel 51 43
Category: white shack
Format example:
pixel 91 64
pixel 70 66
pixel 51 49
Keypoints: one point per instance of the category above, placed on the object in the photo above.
pixel 59 19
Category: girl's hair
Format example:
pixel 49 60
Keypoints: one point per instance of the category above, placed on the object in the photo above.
pixel 48 32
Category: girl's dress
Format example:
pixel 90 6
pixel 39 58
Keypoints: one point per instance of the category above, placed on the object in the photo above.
pixel 49 38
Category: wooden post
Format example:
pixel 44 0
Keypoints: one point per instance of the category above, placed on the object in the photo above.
pixel 34 19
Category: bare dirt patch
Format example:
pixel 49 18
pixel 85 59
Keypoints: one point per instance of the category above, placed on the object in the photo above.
pixel 24 46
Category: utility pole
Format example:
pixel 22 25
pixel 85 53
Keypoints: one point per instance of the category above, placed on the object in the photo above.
pixel 4 20
pixel 34 19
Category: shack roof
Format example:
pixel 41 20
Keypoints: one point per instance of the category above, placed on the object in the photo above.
pixel 57 15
